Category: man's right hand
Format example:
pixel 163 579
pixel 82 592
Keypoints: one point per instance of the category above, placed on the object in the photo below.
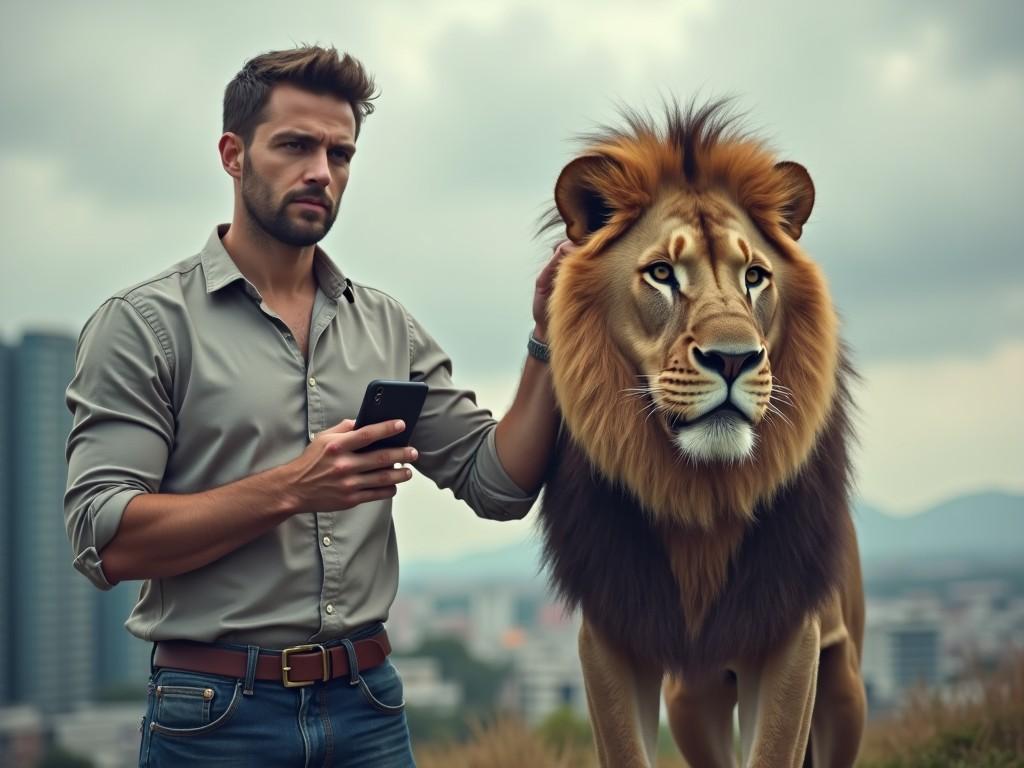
pixel 330 475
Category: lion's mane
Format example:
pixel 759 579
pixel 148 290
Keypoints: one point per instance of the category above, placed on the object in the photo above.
pixel 683 563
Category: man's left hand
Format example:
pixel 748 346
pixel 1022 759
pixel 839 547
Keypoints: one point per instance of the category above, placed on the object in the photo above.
pixel 544 286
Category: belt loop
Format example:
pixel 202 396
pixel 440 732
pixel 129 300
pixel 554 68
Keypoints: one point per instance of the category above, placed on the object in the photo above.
pixel 152 658
pixel 250 669
pixel 353 663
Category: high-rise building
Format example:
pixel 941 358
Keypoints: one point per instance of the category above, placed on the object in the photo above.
pixel 54 613
pixel 6 527
pixel 63 641
pixel 122 659
pixel 902 648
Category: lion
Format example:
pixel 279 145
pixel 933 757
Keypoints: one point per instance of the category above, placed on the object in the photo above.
pixel 697 510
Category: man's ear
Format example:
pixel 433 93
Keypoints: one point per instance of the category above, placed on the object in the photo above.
pixel 582 207
pixel 232 152
pixel 800 199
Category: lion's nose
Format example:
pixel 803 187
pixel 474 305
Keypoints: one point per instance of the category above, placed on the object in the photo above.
pixel 730 365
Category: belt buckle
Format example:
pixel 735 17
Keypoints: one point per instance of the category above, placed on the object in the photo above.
pixel 285 669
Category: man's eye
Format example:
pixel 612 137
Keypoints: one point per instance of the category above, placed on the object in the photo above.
pixel 292 145
pixel 341 154
pixel 755 276
pixel 661 272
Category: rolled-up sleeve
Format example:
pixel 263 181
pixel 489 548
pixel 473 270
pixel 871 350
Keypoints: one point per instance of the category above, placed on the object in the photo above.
pixel 455 437
pixel 122 430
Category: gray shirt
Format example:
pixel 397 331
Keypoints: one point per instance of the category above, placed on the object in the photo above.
pixel 189 381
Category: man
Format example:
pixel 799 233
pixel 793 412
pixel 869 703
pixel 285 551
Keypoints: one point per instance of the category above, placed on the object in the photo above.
pixel 213 454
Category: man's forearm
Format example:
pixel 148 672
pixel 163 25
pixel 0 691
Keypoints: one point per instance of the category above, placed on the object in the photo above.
pixel 166 534
pixel 525 437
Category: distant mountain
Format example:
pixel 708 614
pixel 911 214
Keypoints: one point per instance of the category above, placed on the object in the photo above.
pixel 519 562
pixel 980 525
pixel 986 526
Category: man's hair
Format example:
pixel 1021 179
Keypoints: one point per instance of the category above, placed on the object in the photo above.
pixel 309 67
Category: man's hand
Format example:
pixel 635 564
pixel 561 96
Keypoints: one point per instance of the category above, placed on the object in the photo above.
pixel 329 475
pixel 545 284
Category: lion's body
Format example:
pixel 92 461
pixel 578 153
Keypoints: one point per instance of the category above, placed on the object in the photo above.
pixel 713 543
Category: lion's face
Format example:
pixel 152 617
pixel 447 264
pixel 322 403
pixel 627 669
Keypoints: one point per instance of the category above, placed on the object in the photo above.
pixel 693 296
pixel 694 344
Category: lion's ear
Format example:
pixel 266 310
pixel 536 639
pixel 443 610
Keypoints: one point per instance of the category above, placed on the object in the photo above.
pixel 583 208
pixel 799 198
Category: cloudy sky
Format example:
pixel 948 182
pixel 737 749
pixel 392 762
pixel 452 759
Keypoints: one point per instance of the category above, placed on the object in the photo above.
pixel 908 116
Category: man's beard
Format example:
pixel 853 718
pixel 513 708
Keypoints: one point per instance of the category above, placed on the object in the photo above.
pixel 258 199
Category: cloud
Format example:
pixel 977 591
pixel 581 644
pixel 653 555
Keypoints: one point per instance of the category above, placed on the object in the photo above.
pixel 936 428
pixel 906 115
pixel 914 155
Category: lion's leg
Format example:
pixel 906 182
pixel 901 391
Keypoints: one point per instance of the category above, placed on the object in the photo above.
pixel 701 720
pixel 623 699
pixel 776 700
pixel 840 708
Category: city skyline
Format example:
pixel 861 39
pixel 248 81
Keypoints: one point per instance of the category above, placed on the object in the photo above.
pixel 78 677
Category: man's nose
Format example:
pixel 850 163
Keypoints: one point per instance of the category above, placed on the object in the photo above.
pixel 318 171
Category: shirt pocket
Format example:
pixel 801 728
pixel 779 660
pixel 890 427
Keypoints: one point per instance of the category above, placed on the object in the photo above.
pixel 187 704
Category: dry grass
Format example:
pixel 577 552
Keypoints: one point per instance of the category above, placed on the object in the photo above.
pixel 983 727
pixel 507 743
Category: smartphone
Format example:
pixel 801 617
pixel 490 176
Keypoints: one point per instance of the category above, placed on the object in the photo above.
pixel 389 400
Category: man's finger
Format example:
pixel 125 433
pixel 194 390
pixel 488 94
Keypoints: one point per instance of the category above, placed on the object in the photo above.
pixel 382 478
pixel 371 433
pixel 343 426
pixel 562 250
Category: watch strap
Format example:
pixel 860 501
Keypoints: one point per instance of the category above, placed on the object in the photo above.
pixel 538 349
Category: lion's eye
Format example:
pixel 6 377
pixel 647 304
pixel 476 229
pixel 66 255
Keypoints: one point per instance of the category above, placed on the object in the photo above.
pixel 661 272
pixel 755 276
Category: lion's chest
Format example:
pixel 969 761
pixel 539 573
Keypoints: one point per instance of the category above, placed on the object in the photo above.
pixel 632 581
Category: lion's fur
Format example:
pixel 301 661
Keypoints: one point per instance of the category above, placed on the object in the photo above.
pixel 706 568
pixel 701 157
pixel 741 588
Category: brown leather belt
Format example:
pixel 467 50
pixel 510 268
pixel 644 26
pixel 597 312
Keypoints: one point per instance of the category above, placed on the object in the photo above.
pixel 292 667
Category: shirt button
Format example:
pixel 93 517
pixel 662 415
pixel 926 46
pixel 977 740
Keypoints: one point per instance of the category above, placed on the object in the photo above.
pixel 329 608
pixel 312 382
pixel 327 541
pixel 312 436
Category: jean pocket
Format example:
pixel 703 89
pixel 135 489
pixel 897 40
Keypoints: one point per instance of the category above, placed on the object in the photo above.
pixel 187 704
pixel 382 688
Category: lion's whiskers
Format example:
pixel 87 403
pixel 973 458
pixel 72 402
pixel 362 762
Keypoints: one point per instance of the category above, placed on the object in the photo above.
pixel 651 411
pixel 772 409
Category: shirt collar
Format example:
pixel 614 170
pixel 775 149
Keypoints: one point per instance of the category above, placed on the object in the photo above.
pixel 220 269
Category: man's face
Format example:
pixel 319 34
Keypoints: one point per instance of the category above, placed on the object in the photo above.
pixel 295 168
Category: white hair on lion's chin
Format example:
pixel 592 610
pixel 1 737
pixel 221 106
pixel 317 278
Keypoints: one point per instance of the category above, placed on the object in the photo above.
pixel 730 440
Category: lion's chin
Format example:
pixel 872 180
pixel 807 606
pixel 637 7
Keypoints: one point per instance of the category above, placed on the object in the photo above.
pixel 721 437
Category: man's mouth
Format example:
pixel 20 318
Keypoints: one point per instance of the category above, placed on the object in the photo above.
pixel 312 202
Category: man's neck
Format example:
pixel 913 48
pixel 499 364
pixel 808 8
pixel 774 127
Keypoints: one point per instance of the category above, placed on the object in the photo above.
pixel 273 267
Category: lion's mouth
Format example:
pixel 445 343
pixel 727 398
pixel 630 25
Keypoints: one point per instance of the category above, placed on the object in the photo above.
pixel 727 411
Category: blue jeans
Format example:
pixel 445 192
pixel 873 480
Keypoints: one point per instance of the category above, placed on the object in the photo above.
pixel 210 720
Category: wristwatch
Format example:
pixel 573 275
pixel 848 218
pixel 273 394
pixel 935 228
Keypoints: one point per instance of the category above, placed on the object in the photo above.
pixel 538 349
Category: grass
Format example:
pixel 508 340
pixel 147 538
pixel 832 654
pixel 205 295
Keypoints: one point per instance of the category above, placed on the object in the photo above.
pixel 980 727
